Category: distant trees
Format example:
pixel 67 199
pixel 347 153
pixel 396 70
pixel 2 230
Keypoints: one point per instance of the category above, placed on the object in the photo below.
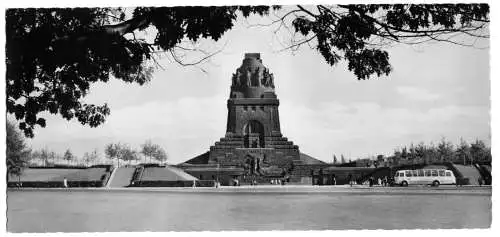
pixel 68 156
pixel 154 151
pixel 479 152
pixel 125 153
pixel 444 151
pixel 17 152
pixel 128 154
pixel 91 157
pixel 43 155
pixel 112 151
pixel 463 152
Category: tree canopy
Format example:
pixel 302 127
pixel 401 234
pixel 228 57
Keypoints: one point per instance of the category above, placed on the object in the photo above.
pixel 54 55
pixel 154 151
pixel 68 155
pixel 17 151
pixel 463 153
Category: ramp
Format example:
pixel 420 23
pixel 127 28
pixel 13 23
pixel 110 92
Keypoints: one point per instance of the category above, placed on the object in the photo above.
pixel 121 177
pixel 469 172
pixel 168 173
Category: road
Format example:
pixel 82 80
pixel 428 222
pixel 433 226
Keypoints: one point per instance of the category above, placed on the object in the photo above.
pixel 247 208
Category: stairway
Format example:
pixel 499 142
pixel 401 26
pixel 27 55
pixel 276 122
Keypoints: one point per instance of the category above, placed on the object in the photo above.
pixel 121 177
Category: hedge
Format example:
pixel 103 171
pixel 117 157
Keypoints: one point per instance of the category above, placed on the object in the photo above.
pixel 178 183
pixel 55 184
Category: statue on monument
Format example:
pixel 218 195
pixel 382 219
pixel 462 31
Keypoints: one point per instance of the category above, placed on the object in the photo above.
pixel 259 76
pixel 271 80
pixel 267 79
pixel 249 77
pixel 236 78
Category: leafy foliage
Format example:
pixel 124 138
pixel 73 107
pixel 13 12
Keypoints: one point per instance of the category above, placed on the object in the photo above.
pixel 93 156
pixel 445 151
pixel 155 151
pixel 128 154
pixel 17 152
pixel 121 152
pixel 68 155
pixel 356 33
pixel 53 56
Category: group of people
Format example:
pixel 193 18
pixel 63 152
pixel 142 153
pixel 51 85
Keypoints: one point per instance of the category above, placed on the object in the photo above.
pixel 351 180
pixel 277 182
pixel 380 182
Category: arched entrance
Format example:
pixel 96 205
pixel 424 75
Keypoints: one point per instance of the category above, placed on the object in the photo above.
pixel 253 134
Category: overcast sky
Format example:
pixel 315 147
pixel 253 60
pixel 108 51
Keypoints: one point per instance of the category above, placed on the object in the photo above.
pixel 435 90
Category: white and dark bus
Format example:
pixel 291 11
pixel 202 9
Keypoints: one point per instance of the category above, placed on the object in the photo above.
pixel 434 177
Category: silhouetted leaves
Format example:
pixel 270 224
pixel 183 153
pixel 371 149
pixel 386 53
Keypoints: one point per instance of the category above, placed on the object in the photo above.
pixel 347 31
pixel 54 55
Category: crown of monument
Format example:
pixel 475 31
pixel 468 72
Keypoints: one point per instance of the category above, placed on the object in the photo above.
pixel 252 79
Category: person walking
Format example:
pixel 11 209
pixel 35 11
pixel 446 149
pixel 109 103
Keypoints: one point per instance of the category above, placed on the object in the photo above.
pixel 65 182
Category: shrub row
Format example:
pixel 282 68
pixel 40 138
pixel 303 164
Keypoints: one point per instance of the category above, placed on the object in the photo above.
pixel 55 184
pixel 179 183
pixel 58 167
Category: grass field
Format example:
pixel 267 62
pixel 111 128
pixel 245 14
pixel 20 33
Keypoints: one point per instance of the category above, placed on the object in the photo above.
pixel 100 211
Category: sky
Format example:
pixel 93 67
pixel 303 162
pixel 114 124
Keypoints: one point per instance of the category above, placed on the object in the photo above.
pixel 436 90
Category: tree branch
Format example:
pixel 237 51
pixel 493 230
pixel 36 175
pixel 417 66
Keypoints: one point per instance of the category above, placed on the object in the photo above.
pixel 119 29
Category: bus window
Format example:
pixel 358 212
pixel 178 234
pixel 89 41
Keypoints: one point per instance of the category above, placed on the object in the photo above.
pixel 415 174
pixel 448 173
pixel 401 174
pixel 427 173
pixel 420 173
pixel 434 173
pixel 408 173
pixel 441 172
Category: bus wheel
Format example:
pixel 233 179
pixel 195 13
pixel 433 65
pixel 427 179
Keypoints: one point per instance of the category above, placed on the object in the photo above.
pixel 435 183
pixel 404 183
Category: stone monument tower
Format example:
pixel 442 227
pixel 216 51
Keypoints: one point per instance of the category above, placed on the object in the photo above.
pixel 253 134
pixel 253 139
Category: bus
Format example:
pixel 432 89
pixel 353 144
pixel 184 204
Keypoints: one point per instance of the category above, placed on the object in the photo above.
pixel 434 177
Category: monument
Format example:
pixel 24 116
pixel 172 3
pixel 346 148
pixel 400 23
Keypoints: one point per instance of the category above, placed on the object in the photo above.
pixel 253 143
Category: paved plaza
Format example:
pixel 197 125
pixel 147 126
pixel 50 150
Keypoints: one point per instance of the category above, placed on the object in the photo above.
pixel 247 208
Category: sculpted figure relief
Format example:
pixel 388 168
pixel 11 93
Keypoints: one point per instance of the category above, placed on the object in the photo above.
pixel 259 76
pixel 236 78
pixel 271 80
pixel 249 78
pixel 267 79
